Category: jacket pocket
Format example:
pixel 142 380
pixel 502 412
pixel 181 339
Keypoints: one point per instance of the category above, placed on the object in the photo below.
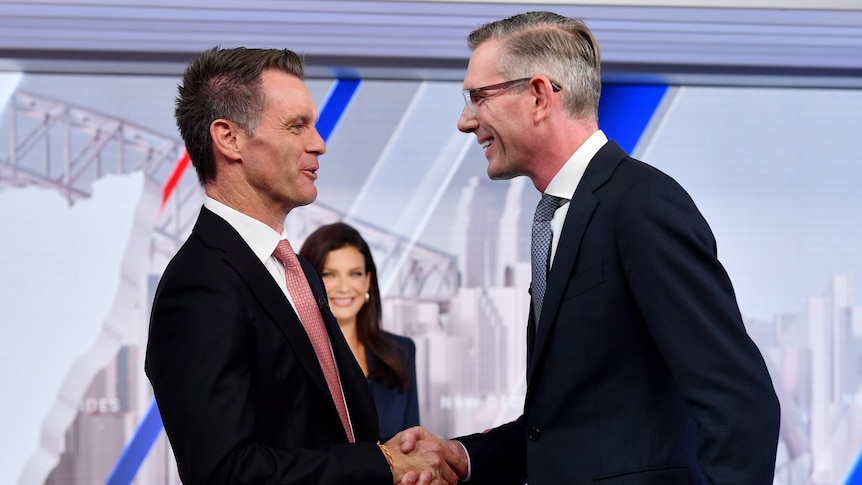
pixel 585 280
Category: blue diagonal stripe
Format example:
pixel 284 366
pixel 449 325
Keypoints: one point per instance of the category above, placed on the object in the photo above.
pixel 626 110
pixel 855 477
pixel 150 427
pixel 335 105
pixel 136 450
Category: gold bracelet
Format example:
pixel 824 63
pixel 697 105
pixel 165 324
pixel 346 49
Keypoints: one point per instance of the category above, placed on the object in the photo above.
pixel 388 455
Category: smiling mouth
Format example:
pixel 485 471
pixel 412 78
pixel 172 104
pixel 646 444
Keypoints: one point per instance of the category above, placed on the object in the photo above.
pixel 487 143
pixel 341 301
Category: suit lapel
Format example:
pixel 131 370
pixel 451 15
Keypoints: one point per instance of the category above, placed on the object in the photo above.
pixel 359 401
pixel 581 208
pixel 216 232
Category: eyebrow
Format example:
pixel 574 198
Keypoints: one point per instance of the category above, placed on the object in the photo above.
pixel 301 118
pixel 357 268
pixel 296 119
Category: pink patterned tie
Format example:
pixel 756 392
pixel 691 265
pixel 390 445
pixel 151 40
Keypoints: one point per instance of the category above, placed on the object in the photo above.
pixel 309 314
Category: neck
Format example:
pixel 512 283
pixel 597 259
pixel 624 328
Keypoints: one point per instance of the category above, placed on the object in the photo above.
pixel 351 335
pixel 561 144
pixel 249 204
pixel 348 328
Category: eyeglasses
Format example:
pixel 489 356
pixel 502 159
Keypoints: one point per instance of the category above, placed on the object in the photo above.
pixel 472 98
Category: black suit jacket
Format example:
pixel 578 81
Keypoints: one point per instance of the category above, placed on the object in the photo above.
pixel 239 388
pixel 640 370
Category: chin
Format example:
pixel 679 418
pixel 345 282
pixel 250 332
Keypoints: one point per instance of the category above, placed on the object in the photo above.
pixel 305 196
pixel 499 171
pixel 343 314
pixel 308 200
pixel 497 175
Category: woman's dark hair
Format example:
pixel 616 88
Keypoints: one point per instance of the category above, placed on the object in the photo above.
pixel 316 247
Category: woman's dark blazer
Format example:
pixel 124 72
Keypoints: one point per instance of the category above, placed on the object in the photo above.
pixel 396 409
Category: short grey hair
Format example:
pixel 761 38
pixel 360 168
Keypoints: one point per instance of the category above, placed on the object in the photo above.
pixel 561 48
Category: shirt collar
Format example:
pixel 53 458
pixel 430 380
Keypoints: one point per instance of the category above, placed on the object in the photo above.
pixel 565 182
pixel 261 238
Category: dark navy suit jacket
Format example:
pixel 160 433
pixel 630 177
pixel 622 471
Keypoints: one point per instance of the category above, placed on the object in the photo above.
pixel 640 371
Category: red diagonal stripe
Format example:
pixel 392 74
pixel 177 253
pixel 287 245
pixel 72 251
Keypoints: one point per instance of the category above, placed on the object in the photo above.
pixel 173 180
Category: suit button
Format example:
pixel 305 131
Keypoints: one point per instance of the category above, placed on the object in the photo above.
pixel 534 434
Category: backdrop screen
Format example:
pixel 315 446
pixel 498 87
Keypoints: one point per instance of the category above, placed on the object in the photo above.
pixel 95 197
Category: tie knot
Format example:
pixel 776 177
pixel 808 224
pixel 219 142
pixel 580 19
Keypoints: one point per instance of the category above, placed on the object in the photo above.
pixel 284 253
pixel 547 206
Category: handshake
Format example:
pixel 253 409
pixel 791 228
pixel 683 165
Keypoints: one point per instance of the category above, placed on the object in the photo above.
pixel 418 457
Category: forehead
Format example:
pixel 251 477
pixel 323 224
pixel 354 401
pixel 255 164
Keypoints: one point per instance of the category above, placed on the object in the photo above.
pixel 287 94
pixel 482 68
pixel 345 256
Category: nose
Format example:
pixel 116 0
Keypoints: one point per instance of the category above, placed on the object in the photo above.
pixel 467 123
pixel 316 146
pixel 341 283
pixel 334 284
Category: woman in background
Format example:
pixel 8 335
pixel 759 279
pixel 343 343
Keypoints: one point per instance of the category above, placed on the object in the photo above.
pixel 344 260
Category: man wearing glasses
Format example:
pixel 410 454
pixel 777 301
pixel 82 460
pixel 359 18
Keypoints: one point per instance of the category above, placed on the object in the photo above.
pixel 639 368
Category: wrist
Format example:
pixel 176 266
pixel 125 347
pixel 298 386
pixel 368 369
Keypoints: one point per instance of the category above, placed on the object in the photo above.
pixel 387 454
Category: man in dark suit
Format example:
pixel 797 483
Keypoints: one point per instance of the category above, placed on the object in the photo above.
pixel 639 370
pixel 239 382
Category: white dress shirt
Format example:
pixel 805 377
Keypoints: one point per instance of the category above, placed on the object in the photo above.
pixel 565 182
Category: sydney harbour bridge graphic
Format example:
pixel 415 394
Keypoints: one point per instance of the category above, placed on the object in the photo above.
pixel 104 426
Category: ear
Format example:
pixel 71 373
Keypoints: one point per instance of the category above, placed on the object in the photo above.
pixel 543 93
pixel 225 135
pixel 367 281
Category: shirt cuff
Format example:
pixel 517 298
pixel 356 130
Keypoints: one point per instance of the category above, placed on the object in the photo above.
pixel 469 465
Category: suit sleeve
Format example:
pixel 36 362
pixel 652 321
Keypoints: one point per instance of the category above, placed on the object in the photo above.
pixel 687 300
pixel 499 456
pixel 199 362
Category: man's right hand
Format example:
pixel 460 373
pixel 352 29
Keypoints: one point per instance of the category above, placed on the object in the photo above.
pixel 453 458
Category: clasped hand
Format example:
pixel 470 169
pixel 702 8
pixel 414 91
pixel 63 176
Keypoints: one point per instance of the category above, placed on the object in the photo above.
pixel 421 458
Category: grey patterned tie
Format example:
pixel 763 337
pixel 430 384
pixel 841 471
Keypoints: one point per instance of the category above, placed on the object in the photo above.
pixel 541 248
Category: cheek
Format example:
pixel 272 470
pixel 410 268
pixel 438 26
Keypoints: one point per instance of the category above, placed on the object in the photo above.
pixel 328 284
pixel 293 154
pixel 359 286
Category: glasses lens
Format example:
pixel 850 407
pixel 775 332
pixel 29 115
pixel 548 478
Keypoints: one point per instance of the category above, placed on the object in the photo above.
pixel 468 100
pixel 471 96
